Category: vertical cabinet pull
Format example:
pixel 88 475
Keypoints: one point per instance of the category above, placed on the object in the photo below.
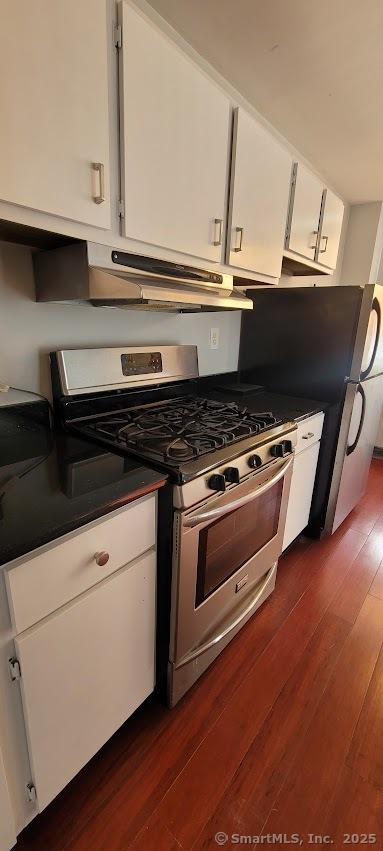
pixel 218 227
pixel 322 250
pixel 239 231
pixel 99 182
pixel 314 233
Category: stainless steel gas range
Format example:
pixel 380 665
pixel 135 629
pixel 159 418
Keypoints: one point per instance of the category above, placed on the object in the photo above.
pixel 222 516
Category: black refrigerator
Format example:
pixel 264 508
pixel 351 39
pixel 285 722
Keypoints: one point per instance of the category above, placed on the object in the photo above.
pixel 325 343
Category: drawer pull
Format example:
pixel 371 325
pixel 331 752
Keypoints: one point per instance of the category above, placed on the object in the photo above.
pixel 101 559
pixel 308 435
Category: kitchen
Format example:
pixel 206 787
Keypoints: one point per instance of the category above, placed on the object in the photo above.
pixel 171 195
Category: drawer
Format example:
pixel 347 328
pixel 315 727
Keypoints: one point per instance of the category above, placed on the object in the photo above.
pixel 38 586
pixel 309 431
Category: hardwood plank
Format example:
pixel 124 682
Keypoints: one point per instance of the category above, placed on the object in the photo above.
pixel 377 586
pixel 247 802
pixel 354 589
pixel 200 786
pixel 305 798
pixel 357 808
pixel 154 837
pixel 365 755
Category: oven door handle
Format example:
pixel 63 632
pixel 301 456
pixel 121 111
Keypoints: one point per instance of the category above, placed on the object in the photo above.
pixel 215 513
pixel 221 635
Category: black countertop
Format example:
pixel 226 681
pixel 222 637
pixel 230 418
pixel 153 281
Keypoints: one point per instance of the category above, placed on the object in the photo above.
pixel 52 482
pixel 286 408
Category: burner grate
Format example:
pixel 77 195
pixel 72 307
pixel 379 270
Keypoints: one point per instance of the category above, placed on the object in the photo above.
pixel 182 429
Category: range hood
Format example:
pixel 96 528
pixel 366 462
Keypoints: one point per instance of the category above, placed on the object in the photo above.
pixel 86 272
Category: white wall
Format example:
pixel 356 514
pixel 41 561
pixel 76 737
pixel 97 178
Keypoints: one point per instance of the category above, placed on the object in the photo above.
pixel 28 330
pixel 363 244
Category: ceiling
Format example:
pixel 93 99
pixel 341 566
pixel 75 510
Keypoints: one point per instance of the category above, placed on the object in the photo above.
pixel 314 70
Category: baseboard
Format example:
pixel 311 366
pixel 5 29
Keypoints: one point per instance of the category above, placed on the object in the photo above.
pixel 378 452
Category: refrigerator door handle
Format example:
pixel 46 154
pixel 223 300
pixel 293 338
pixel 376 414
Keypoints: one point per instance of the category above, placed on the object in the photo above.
pixel 375 307
pixel 351 449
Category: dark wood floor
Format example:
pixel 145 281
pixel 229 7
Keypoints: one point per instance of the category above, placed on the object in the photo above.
pixel 283 734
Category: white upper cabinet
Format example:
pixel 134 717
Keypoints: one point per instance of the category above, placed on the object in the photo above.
pixel 305 210
pixel 174 143
pixel 331 227
pixel 54 108
pixel 259 195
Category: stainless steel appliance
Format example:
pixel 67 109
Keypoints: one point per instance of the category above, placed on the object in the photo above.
pixel 324 343
pixel 105 277
pixel 222 516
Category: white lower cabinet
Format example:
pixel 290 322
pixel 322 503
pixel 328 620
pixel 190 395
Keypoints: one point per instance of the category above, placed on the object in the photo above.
pixel 303 478
pixel 84 670
pixel 7 824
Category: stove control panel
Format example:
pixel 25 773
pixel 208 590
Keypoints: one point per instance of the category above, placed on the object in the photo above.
pixel 228 476
pixel 141 363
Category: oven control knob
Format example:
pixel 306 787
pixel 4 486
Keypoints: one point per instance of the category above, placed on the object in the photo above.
pixel 217 482
pixel 232 475
pixel 255 461
pixel 279 450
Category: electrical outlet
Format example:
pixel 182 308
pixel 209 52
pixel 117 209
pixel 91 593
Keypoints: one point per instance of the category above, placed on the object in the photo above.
pixel 214 338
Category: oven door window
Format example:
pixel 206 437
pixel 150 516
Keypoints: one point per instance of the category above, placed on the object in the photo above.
pixel 228 543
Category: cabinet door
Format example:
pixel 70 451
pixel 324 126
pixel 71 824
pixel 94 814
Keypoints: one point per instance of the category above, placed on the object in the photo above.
pixel 259 194
pixel 301 492
pixel 328 245
pixel 305 212
pixel 7 824
pixel 175 140
pixel 54 107
pixel 84 670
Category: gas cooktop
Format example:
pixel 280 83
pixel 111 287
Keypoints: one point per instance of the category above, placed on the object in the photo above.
pixel 179 430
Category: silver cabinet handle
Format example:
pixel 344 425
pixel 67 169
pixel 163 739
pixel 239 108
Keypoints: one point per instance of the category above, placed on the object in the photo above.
pixel 308 435
pixel 322 250
pixel 215 513
pixel 217 638
pixel 219 223
pixel 314 233
pixel 99 170
pixel 101 558
pixel 240 231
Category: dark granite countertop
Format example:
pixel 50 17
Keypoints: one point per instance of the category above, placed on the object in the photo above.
pixel 286 408
pixel 52 482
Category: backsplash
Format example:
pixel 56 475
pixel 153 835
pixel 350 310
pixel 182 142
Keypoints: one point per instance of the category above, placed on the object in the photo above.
pixel 29 331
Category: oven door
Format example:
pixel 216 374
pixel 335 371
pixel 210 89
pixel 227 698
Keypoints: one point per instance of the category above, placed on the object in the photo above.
pixel 224 554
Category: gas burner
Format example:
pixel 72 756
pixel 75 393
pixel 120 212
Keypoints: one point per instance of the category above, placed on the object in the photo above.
pixel 181 429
